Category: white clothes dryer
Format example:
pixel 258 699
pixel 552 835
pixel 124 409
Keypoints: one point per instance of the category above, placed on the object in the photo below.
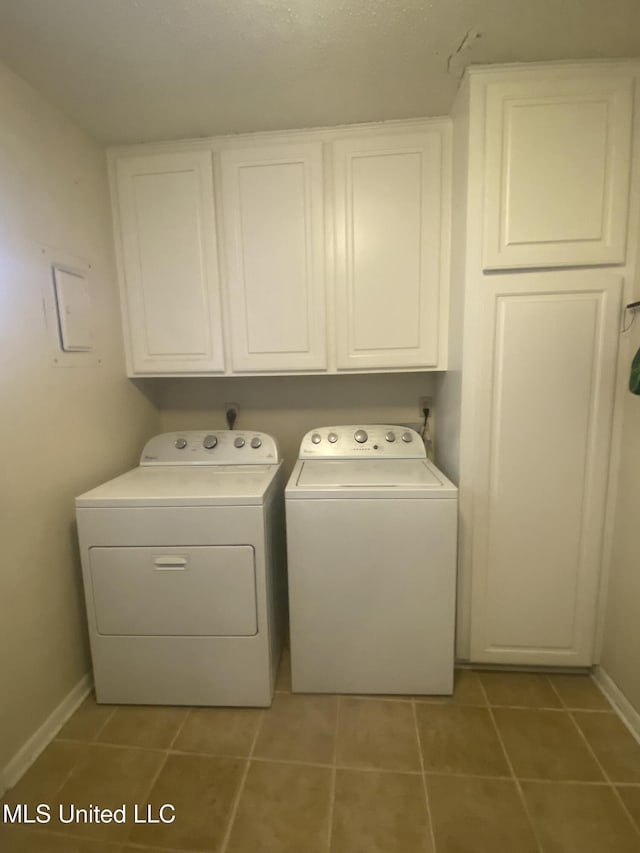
pixel 371 540
pixel 183 561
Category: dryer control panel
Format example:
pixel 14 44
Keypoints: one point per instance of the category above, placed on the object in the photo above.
pixel 359 441
pixel 211 447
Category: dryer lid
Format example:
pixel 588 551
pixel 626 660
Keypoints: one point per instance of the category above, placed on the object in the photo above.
pixel 184 485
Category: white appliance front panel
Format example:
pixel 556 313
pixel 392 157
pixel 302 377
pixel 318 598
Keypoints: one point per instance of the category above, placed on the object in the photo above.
pixel 191 670
pixel 193 591
pixel 372 595
pixel 209 671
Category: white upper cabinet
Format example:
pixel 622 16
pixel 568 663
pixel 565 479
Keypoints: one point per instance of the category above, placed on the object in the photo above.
pixel 289 228
pixel 166 236
pixel 391 229
pixel 545 392
pixel 557 164
pixel 273 211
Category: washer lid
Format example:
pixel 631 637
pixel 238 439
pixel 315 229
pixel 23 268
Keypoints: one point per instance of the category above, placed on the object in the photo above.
pixel 363 478
pixel 184 485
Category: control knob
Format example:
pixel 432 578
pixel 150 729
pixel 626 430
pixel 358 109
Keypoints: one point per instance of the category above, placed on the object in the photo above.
pixel 239 442
pixel 181 443
pixel 209 442
pixel 407 437
pixel 390 436
pixel 256 442
pixel 333 437
pixel 316 438
pixel 360 436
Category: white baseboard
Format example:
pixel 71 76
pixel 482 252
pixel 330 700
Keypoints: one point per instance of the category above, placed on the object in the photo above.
pixel 28 752
pixel 630 717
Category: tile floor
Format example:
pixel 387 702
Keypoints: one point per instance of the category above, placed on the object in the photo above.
pixel 512 763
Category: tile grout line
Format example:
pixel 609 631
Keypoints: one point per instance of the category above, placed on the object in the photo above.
pixel 94 742
pixel 109 843
pixel 512 771
pixel 179 730
pixel 126 840
pixel 156 776
pixel 608 780
pixel 432 834
pixel 334 765
pixel 167 753
pixel 114 710
pixel 555 690
pixel 143 848
pixel 85 743
pixel 438 702
pixel 65 778
pixel 257 759
pixel 94 738
pixel 154 779
pixel 236 801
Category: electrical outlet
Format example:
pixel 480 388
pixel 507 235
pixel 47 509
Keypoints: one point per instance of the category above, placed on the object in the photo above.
pixel 425 403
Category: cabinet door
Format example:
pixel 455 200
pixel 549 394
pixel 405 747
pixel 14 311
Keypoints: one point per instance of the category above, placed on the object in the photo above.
pixel 272 202
pixel 545 396
pixel 391 207
pixel 169 265
pixel 557 171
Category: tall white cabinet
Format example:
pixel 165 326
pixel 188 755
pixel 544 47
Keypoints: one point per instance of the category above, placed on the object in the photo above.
pixel 545 388
pixel 542 164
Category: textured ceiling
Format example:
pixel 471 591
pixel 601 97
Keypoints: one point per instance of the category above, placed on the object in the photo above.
pixel 140 70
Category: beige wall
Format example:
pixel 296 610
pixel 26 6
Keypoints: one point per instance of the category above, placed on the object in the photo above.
pixel 289 406
pixel 62 430
pixel 621 651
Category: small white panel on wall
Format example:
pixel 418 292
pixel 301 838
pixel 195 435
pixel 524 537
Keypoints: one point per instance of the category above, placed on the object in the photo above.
pixel 74 310
pixel 69 310
pixel 557 167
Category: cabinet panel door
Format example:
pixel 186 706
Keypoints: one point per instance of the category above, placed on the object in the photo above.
pixel 557 171
pixel 544 425
pixel 272 202
pixel 169 262
pixel 389 204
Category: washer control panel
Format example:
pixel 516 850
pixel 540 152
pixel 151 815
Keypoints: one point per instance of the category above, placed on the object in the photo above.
pixel 212 447
pixel 369 440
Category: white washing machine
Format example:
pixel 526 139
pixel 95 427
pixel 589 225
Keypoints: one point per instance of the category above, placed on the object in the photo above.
pixel 371 540
pixel 183 560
